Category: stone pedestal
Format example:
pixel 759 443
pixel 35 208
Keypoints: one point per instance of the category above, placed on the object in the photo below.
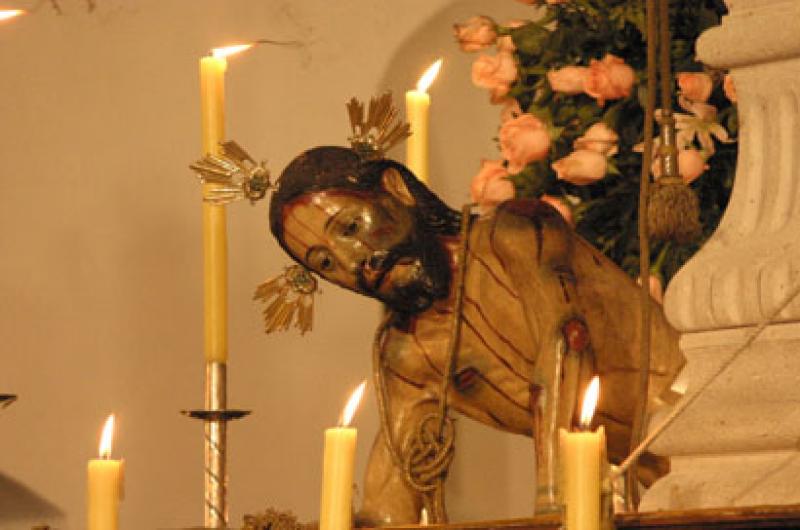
pixel 738 444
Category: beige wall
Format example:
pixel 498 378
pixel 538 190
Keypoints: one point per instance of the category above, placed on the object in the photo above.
pixel 100 272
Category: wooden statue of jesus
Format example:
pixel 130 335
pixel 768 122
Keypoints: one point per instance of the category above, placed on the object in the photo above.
pixel 542 312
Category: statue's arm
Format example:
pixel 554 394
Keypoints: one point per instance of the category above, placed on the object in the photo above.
pixel 388 497
pixel 535 247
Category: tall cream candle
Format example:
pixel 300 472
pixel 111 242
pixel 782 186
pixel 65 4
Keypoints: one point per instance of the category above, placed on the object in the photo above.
pixel 418 103
pixel 215 231
pixel 104 490
pixel 336 505
pixel 215 238
pixel 580 454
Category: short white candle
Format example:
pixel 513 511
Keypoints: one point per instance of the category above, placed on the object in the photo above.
pixel 104 485
pixel 336 506
pixel 580 454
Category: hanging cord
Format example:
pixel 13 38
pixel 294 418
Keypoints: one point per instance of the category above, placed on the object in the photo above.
pixel 640 412
pixel 431 446
pixel 674 211
pixel 455 330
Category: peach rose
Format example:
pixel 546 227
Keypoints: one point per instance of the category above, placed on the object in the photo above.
pixel 656 289
pixel 691 164
pixel 523 140
pixel 510 110
pixel 729 88
pixel 581 167
pixel 491 186
pixel 476 33
pixel 561 206
pixel 599 138
pixel 609 78
pixel 695 86
pixel 568 80
pixel 495 73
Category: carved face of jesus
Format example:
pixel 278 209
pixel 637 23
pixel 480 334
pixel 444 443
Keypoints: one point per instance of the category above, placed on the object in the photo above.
pixel 368 242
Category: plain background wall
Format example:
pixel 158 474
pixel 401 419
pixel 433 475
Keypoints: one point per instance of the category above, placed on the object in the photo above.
pixel 100 256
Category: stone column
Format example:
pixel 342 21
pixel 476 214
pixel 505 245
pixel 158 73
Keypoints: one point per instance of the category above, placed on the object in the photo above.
pixel 737 445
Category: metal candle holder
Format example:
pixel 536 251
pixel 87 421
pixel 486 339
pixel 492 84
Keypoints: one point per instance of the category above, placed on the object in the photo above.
pixel 216 416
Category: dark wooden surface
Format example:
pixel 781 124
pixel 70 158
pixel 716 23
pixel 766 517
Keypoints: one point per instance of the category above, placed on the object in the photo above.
pixel 716 518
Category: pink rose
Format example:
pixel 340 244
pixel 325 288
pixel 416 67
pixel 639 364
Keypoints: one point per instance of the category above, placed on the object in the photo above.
pixel 523 140
pixel 568 80
pixel 581 167
pixel 656 289
pixel 599 138
pixel 476 33
pixel 561 206
pixel 610 78
pixel 695 86
pixel 691 164
pixel 729 88
pixel 491 186
pixel 495 73
pixel 510 110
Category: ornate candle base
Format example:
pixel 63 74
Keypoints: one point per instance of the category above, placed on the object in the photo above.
pixel 216 415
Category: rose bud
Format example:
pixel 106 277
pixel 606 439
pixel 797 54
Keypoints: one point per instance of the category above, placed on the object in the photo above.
pixel 523 140
pixel 476 33
pixel 581 167
pixel 609 78
pixel 695 86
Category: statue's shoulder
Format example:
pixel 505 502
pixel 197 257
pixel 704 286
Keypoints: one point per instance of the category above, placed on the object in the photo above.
pixel 518 227
pixel 528 212
pixel 524 216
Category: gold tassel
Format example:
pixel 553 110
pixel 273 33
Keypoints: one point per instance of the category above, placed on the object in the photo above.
pixel 673 210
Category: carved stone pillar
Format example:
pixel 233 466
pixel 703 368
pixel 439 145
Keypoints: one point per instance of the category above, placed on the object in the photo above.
pixel 738 444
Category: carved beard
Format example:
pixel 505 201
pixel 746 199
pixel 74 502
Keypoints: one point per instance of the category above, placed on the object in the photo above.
pixel 419 270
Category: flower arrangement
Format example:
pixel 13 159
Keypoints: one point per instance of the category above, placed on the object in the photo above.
pixel 572 89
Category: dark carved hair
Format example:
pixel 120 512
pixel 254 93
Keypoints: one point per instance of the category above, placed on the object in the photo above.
pixel 340 168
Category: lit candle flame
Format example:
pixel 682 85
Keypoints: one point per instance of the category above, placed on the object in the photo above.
pixel 352 405
pixel 230 50
pixel 590 402
pixel 106 437
pixel 5 14
pixel 429 76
